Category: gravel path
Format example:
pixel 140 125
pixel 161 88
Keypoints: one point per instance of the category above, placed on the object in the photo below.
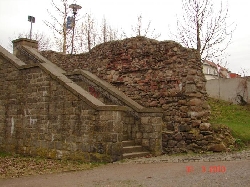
pixel 210 157
pixel 217 170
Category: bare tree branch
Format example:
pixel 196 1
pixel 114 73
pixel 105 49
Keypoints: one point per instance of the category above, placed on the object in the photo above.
pixel 204 29
pixel 140 31
pixel 58 24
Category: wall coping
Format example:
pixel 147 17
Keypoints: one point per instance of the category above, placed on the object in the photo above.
pixel 25 40
pixel 11 58
pixel 57 73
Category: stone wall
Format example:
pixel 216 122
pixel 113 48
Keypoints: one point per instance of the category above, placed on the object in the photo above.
pixel 143 125
pixel 39 115
pixel 154 74
pixel 44 113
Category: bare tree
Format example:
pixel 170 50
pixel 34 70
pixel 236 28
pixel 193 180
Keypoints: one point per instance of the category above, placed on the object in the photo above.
pixel 205 29
pixel 90 34
pixel 58 24
pixel 87 34
pixel 104 31
pixel 44 42
pixel 139 30
pixel 114 34
pixel 108 33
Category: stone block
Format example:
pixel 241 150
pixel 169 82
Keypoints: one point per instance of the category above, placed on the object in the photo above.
pixel 139 135
pixel 191 88
pixel 145 135
pixel 100 128
pixel 145 142
pixel 106 115
pixel 184 128
pixel 178 137
pixel 117 148
pixel 43 144
pixel 189 136
pixel 156 120
pixel 217 147
pixel 181 144
pixel 205 133
pixel 195 102
pixel 205 126
pixel 145 120
pixel 147 128
pixel 170 126
pixel 58 145
pixel 196 123
pixel 172 143
pixel 184 109
pixel 157 128
pixel 115 137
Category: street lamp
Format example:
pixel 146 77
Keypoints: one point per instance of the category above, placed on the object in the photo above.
pixel 31 19
pixel 74 7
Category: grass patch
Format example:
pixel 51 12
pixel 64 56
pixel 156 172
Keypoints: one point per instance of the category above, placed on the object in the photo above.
pixel 236 117
pixel 4 154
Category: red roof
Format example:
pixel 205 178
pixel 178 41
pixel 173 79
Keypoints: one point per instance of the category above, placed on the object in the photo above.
pixel 234 75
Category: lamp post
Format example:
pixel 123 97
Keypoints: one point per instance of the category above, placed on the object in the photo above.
pixel 74 7
pixel 31 19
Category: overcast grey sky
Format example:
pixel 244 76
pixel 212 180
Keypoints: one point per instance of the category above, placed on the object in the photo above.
pixel 123 14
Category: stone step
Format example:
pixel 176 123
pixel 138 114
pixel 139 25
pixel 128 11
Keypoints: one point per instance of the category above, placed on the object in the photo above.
pixel 131 149
pixel 125 137
pixel 128 143
pixel 135 154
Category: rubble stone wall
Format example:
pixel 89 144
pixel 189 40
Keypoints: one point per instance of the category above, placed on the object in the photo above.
pixel 155 74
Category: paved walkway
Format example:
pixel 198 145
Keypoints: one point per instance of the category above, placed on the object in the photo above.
pixel 217 170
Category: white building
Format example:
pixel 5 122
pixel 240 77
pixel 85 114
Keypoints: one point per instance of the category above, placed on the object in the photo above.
pixel 210 70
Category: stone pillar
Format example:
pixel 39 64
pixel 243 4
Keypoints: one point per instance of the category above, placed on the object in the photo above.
pixel 24 42
pixel 151 129
pixel 109 133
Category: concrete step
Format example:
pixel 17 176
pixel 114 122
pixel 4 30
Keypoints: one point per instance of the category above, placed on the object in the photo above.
pixel 128 143
pixel 135 154
pixel 131 149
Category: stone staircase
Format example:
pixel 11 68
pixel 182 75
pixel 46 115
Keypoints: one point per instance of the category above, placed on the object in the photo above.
pixel 130 150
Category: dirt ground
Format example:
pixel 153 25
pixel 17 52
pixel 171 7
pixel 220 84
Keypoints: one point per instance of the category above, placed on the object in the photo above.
pixel 190 174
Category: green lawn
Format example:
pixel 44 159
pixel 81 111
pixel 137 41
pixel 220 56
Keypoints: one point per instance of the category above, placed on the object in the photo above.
pixel 236 117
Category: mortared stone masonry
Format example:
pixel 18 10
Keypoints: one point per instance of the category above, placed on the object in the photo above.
pixel 81 106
